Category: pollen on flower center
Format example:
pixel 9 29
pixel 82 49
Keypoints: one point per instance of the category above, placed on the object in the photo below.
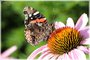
pixel 64 40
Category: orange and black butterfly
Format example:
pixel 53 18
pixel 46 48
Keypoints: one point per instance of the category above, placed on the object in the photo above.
pixel 37 27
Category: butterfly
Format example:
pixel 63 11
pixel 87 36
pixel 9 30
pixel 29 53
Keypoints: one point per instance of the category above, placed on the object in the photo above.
pixel 37 28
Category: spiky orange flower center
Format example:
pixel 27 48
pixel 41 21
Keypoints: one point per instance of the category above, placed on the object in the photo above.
pixel 64 40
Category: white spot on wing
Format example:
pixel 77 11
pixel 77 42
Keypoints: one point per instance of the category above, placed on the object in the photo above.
pixel 31 18
pixel 39 24
pixel 26 26
pixel 44 18
pixel 30 15
pixel 36 13
pixel 25 21
pixel 31 8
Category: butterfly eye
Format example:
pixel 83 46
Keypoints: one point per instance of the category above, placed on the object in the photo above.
pixel 25 12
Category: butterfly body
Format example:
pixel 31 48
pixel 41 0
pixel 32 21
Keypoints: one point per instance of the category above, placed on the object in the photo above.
pixel 37 28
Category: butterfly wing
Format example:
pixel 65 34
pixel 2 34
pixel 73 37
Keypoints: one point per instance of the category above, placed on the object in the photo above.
pixel 37 28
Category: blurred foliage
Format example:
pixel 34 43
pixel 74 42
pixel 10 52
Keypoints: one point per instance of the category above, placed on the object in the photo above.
pixel 12 26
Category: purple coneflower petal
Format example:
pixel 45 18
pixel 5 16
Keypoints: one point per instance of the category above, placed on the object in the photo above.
pixel 82 21
pixel 66 57
pixel 77 55
pixel 47 57
pixel 8 58
pixel 59 25
pixel 43 55
pixel 84 49
pixel 37 51
pixel 55 57
pixel 85 32
pixel 63 57
pixel 87 28
pixel 86 41
pixel 9 51
pixel 60 57
pixel 70 22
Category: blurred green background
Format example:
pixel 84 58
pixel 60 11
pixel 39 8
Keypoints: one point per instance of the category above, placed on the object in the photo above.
pixel 12 25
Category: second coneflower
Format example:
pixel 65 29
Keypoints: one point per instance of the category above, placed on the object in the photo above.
pixel 66 42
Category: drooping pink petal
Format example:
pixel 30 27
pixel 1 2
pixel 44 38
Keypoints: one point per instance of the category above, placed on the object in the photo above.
pixel 63 57
pixel 82 21
pixel 66 57
pixel 47 57
pixel 70 22
pixel 36 52
pixel 86 41
pixel 9 51
pixel 8 58
pixel 84 49
pixel 43 55
pixel 59 25
pixel 54 57
pixel 60 57
pixel 77 54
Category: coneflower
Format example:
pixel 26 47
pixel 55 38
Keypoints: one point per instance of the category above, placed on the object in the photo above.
pixel 66 42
